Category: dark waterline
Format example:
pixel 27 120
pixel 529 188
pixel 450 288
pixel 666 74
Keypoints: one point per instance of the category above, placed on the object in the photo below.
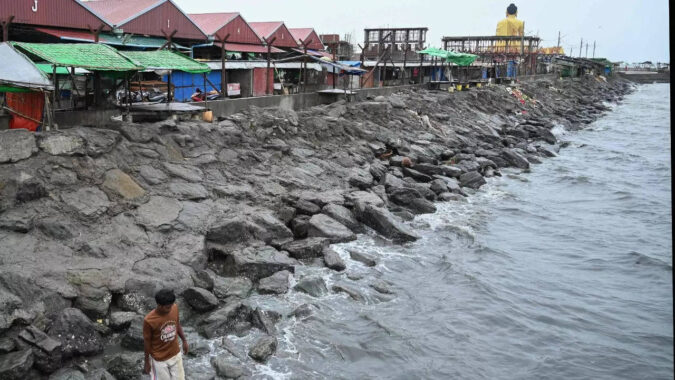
pixel 563 272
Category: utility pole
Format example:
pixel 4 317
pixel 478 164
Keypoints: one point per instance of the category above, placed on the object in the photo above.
pixel 586 56
pixel 558 39
pixel 571 51
pixel 581 46
pixel 593 49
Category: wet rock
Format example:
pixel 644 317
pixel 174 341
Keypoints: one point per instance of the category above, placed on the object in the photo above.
pixel 333 260
pixel 59 144
pixel 120 320
pixel 158 211
pixel 303 311
pixel 381 287
pixel 224 287
pixel 227 319
pixel 199 348
pixel 16 145
pixel 275 284
pixel 263 348
pixel 451 197
pixel 322 225
pixel 200 299
pixel 15 365
pixel 263 226
pixel 315 286
pixel 121 184
pixel 230 347
pixel 46 351
pixel 514 158
pixel 88 201
pixel 384 222
pixel 125 366
pixel 305 207
pixel 417 176
pixel 439 186
pixel 350 291
pixel 203 279
pixel 265 320
pixel 377 169
pixel 306 248
pixel 411 199
pixel 164 273
pixel 133 337
pixel 254 263
pixel 342 215
pixel 472 180
pixel 229 369
pixel 77 333
pixel 361 257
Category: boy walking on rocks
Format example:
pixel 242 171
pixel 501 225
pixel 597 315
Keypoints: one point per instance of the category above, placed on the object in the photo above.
pixel 163 358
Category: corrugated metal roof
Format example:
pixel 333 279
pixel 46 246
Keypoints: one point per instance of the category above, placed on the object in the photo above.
pixel 307 34
pixel 266 29
pixel 19 71
pixel 247 48
pixel 59 13
pixel 117 12
pixel 108 39
pixel 87 56
pixel 210 23
pixel 247 65
pixel 165 60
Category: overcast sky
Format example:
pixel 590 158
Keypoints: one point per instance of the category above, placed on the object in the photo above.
pixel 624 30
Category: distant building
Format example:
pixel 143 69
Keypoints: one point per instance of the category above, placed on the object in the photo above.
pixel 342 48
pixel 398 40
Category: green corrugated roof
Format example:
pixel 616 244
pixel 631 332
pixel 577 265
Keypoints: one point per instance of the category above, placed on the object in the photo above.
pixel 98 57
pixel 166 60
pixel 48 68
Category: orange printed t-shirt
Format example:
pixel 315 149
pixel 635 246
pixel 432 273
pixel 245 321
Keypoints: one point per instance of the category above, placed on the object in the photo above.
pixel 162 331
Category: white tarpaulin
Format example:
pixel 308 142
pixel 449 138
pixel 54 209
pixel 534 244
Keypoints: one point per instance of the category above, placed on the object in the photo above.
pixel 16 70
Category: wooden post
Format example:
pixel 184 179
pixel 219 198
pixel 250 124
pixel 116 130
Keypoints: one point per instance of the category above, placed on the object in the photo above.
pixel 169 98
pixel 56 85
pixel 205 92
pixel 362 57
pixel 304 63
pixel 334 61
pixel 420 74
pixel 267 73
pixel 405 60
pixel 169 40
pixel 223 60
pixel 5 28
pixel 97 76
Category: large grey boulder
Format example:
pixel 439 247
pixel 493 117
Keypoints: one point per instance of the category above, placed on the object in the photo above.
pixel 322 225
pixel 46 350
pixel 314 286
pixel 384 222
pixel 263 226
pixel 94 302
pixel 188 173
pixel 68 374
pixel 88 201
pixel 200 299
pixel 306 248
pixel 363 258
pixel 120 320
pixel 133 337
pixel 343 216
pixel 263 348
pixel 411 199
pixel 349 290
pixel 122 184
pixel 333 260
pixel 185 190
pixel 254 263
pixel 16 145
pixel 361 179
pixel 234 317
pixel 15 365
pixel 151 175
pixel 60 144
pixel 265 320
pixel 473 180
pixel 125 366
pixel 224 287
pixel 515 159
pixel 77 333
pixel 158 211
pixel 227 368
pixel 275 284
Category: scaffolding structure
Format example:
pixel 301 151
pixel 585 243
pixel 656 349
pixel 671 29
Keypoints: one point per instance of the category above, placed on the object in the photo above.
pixel 498 49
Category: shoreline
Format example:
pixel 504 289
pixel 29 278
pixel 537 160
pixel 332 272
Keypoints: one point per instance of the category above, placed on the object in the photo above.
pixel 96 220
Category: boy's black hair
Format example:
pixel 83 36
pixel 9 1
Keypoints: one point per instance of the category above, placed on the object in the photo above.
pixel 165 297
pixel 512 9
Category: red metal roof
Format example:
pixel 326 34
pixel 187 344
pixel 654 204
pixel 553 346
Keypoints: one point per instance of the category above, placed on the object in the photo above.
pixel 307 34
pixel 277 29
pixel 147 17
pixel 60 13
pixel 247 48
pixel 220 25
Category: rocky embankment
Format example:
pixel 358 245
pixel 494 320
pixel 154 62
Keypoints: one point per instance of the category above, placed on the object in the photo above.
pixel 93 221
